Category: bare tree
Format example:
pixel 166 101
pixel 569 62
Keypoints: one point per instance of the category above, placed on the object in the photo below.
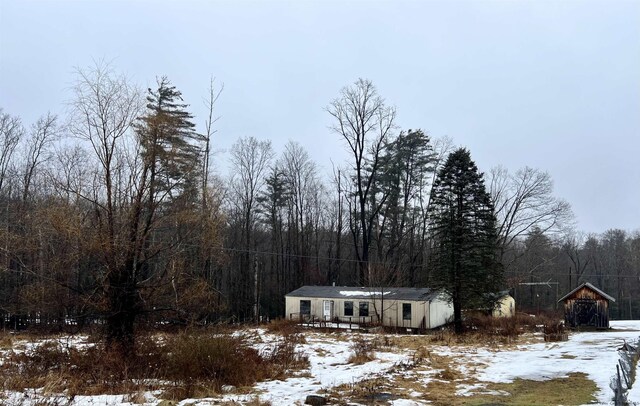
pixel 43 133
pixel 210 103
pixel 573 246
pixel 250 161
pixel 366 123
pixel 338 228
pixel 11 131
pixel 525 200
pixel 302 184
pixel 103 110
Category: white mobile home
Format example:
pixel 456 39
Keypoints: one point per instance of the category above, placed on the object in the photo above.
pixel 417 308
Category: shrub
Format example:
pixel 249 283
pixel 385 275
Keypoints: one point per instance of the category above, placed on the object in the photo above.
pixel 217 360
pixel 282 327
pixel 362 350
pixel 283 356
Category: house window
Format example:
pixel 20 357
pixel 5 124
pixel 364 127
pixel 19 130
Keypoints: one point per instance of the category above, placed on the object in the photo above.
pixel 348 308
pixel 305 307
pixel 406 311
pixel 363 309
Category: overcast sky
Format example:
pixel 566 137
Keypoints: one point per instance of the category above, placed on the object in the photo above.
pixel 551 85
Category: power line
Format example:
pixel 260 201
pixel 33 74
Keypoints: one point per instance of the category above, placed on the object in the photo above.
pixel 422 265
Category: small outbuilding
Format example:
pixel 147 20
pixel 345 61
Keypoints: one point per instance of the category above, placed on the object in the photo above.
pixel 505 305
pixel 415 308
pixel 586 306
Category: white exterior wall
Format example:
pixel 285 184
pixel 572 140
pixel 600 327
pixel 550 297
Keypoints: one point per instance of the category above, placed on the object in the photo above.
pixel 505 307
pixel 434 314
pixel 440 312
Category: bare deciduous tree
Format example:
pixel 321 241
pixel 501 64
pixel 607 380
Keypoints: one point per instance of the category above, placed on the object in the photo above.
pixel 573 246
pixel 525 200
pixel 210 102
pixel 43 133
pixel 250 161
pixel 366 123
pixel 103 110
pixel 11 131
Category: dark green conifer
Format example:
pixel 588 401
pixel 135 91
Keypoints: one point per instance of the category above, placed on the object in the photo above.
pixel 463 232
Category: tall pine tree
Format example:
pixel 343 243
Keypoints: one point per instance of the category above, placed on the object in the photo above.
pixel 171 146
pixel 463 234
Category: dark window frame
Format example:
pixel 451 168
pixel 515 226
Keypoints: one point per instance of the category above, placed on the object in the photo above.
pixel 348 308
pixel 406 311
pixel 363 309
pixel 308 307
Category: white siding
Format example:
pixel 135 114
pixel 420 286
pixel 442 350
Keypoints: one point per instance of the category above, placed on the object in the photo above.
pixel 505 307
pixel 440 312
pixel 434 313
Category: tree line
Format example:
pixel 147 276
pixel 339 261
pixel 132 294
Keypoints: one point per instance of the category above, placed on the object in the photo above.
pixel 113 212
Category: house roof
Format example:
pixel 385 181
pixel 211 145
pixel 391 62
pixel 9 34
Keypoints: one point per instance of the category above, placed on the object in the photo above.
pixel 349 292
pixel 497 295
pixel 590 286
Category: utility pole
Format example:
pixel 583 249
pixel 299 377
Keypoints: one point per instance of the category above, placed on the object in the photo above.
pixel 256 294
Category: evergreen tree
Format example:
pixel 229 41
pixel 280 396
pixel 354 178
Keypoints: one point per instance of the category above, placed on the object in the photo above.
pixel 463 232
pixel 171 147
pixel 405 167
pixel 272 207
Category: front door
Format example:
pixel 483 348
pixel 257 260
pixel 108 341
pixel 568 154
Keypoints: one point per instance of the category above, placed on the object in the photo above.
pixel 327 309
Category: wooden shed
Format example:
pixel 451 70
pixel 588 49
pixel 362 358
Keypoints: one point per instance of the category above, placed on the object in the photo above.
pixel 586 306
pixel 413 308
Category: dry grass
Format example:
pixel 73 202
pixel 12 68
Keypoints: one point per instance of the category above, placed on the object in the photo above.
pixel 6 341
pixel 283 327
pixel 576 389
pixel 184 365
pixel 363 350
pixel 362 391
pixel 198 363
pixel 494 332
pixel 253 402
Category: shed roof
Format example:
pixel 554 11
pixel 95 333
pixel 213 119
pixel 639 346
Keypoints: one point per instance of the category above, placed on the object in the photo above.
pixel 350 292
pixel 590 286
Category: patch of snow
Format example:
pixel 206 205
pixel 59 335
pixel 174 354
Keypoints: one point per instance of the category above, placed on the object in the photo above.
pixel 329 368
pixel 407 402
pixel 593 353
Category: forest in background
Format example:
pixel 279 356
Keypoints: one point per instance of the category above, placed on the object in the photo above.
pixel 115 206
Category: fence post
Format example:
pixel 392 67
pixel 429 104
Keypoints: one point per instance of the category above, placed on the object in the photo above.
pixel 624 374
pixel 618 397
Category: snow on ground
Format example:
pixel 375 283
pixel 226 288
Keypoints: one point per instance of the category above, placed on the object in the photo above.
pixel 329 367
pixel 593 353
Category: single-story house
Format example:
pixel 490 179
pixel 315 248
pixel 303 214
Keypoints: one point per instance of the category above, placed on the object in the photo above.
pixel 586 306
pixel 416 308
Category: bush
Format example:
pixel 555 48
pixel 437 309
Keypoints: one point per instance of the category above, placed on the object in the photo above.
pixel 283 357
pixel 508 328
pixel 218 360
pixel 283 327
pixel 362 350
